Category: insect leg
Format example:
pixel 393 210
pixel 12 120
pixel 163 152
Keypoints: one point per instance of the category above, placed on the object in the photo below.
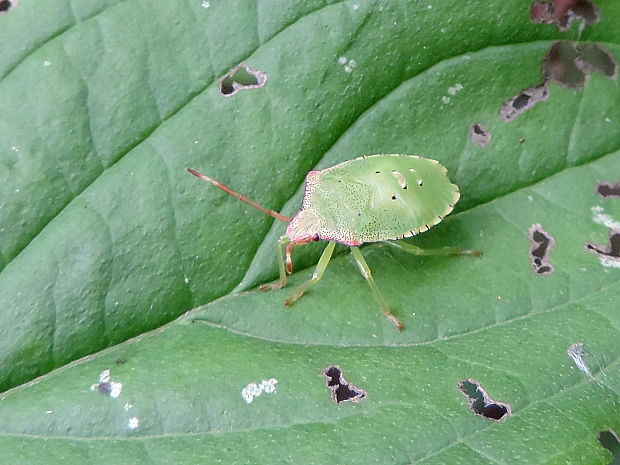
pixel 280 284
pixel 412 249
pixel 365 270
pixel 318 273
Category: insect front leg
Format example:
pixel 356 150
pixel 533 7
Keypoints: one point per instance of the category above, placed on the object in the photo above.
pixel 412 249
pixel 316 276
pixel 365 270
pixel 282 242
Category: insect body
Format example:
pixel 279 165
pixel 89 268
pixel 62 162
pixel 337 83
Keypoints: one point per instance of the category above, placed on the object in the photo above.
pixel 368 199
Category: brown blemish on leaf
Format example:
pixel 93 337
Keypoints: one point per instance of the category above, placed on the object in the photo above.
pixel 564 12
pixel 341 390
pixel 479 135
pixel 241 77
pixel 481 404
pixel 541 243
pixel 607 189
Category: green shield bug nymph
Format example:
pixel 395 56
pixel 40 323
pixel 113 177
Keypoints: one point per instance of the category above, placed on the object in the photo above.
pixel 368 199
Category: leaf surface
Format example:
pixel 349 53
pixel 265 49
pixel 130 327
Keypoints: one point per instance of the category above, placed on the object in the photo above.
pixel 105 238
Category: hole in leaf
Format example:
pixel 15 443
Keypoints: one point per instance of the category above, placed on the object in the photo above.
pixel 564 12
pixel 592 57
pixel 479 135
pixel 241 77
pixel 609 440
pixel 525 100
pixel 6 5
pixel 609 251
pixel 607 189
pixel 570 64
pixel 541 243
pixel 341 390
pixel 481 404
pixel 566 64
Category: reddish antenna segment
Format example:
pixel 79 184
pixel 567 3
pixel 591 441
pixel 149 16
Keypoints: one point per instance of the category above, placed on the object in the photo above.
pixel 243 198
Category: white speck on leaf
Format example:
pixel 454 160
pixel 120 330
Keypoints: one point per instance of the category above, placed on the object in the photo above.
pixel 530 198
pixel 608 120
pixel 342 60
pixel 47 63
pixel 104 376
pixel 116 389
pixel 355 6
pixel 127 406
pixel 600 217
pixel 455 89
pixel 445 99
pixel 253 390
pixel 133 423
pixel 576 353
pixel 205 4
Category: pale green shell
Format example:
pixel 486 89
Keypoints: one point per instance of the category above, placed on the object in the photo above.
pixel 374 198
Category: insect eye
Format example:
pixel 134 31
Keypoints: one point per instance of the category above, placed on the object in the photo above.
pixel 393 197
pixel 377 172
pixel 315 237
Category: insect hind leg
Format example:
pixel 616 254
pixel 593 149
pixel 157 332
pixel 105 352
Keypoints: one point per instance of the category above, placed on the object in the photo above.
pixel 365 270
pixel 414 250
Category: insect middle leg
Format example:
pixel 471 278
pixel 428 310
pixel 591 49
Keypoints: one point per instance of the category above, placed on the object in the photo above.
pixel 365 270
pixel 316 276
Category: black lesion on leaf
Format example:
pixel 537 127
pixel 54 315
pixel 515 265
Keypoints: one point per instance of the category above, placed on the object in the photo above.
pixel 241 77
pixel 541 243
pixel 341 390
pixel 393 197
pixel 480 403
pixel 607 189
pixel 564 12
pixel 611 250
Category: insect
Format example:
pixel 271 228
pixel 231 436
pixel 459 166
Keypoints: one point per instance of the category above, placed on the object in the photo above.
pixel 373 198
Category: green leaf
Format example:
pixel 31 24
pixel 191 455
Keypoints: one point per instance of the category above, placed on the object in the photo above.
pixel 104 236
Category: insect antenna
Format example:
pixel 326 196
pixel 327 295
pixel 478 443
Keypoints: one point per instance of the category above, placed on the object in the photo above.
pixel 243 198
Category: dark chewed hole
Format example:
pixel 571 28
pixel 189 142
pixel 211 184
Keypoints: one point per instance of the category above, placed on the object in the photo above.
pixel 607 189
pixel 341 390
pixel 479 135
pixel 541 243
pixel 480 403
pixel 523 101
pixel 567 64
pixel 609 251
pixel 6 5
pixel 609 440
pixel 564 12
pixel 241 77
